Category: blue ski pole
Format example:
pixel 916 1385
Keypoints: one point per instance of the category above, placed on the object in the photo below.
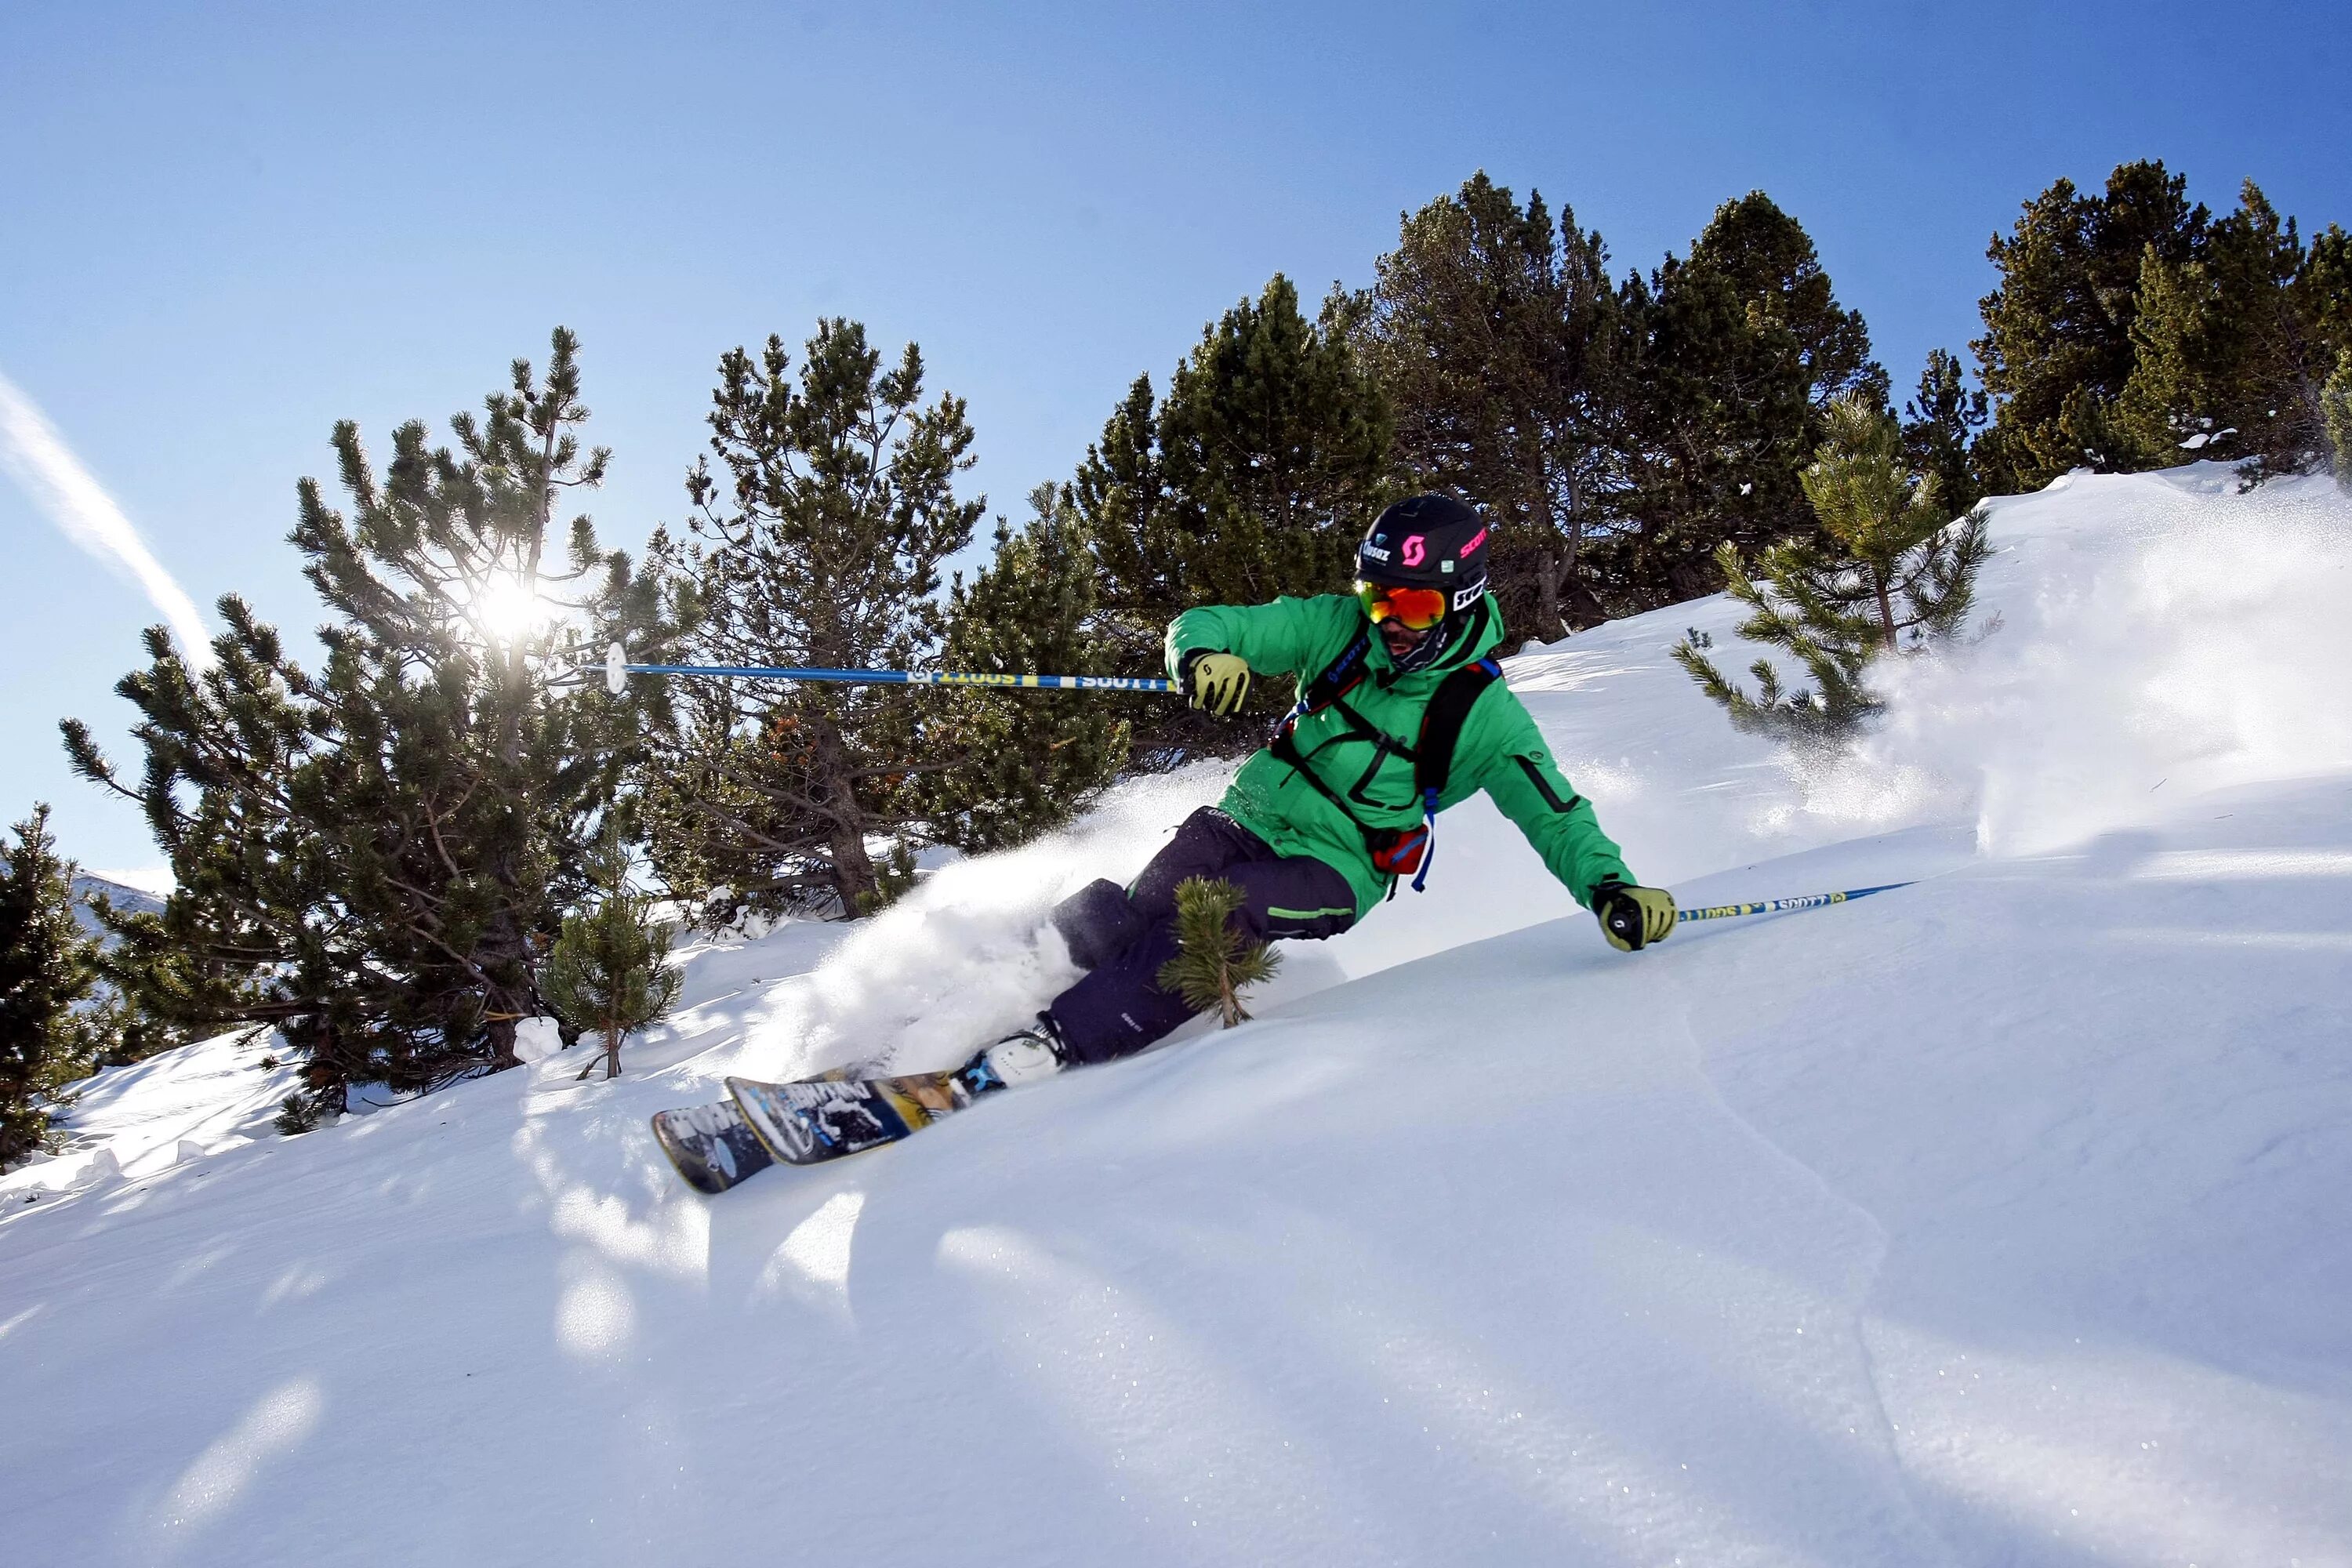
pixel 1776 906
pixel 617 670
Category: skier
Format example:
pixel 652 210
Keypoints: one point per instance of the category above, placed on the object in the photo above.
pixel 1401 713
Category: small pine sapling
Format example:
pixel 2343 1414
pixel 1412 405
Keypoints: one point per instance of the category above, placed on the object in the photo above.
pixel 1895 567
pixel 1214 964
pixel 608 970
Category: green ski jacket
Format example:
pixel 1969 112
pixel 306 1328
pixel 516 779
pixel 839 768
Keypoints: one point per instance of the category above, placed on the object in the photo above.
pixel 1500 751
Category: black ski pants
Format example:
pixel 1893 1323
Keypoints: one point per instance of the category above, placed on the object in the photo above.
pixel 1122 936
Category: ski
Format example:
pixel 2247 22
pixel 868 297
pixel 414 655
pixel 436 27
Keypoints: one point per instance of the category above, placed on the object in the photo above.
pixel 712 1147
pixel 810 1122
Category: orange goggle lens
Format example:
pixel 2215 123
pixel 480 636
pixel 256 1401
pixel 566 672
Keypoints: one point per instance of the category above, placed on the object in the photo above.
pixel 1418 608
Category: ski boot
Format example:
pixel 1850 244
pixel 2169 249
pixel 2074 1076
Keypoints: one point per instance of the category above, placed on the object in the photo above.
pixel 1033 1053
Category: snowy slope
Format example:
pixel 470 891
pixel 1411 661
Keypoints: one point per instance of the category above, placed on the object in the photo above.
pixel 1997 1220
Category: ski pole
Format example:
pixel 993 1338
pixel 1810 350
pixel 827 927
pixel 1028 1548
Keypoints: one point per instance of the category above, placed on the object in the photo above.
pixel 617 670
pixel 1776 906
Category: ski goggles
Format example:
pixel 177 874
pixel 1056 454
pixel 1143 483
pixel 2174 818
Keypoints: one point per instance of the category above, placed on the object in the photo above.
pixel 1418 608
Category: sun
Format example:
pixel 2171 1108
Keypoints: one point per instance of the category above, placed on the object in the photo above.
pixel 509 611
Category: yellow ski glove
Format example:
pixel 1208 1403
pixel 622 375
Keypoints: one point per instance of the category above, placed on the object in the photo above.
pixel 1216 682
pixel 1632 918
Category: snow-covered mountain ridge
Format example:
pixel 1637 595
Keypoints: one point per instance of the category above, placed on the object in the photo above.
pixel 88 890
pixel 1994 1220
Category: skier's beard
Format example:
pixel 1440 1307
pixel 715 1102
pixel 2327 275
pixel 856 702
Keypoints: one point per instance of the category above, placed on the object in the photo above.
pixel 1402 639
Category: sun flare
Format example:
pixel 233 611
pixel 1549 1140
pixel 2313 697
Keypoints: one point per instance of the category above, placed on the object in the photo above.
pixel 509 611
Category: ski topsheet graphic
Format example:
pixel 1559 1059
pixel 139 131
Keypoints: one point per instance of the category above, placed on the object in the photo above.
pixel 807 1123
pixel 712 1146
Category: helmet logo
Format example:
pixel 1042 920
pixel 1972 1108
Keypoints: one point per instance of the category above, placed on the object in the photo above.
pixel 1416 550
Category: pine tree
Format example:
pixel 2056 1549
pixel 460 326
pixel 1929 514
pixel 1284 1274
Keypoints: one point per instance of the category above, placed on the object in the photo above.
pixel 1031 759
pixel 2336 401
pixel 367 857
pixel 2226 365
pixel 2232 337
pixel 1214 964
pixel 1492 333
pixel 2266 344
pixel 1895 564
pixel 49 1032
pixel 1729 361
pixel 2324 288
pixel 1940 426
pixel 2324 299
pixel 2058 349
pixel 608 970
pixel 1274 445
pixel 820 545
pixel 2165 408
pixel 1255 476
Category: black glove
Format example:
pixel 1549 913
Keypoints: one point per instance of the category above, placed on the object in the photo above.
pixel 1215 682
pixel 1632 917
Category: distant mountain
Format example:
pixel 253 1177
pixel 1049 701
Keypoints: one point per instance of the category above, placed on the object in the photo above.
pixel 127 900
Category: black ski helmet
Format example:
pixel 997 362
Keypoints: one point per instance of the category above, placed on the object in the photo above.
pixel 1427 541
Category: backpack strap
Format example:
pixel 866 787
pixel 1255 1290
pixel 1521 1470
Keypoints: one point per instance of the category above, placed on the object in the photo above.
pixel 1338 678
pixel 1441 730
pixel 1341 675
pixel 1442 721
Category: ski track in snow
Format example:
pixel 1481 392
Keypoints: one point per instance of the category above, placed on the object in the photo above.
pixel 1995 1220
pixel 1864 1282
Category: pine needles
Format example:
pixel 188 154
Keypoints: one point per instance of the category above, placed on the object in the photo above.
pixel 609 971
pixel 1214 964
pixel 2336 399
pixel 1893 568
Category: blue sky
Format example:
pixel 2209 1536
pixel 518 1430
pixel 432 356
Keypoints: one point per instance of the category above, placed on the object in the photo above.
pixel 224 227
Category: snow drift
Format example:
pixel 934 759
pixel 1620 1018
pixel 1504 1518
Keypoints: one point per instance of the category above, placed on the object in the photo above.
pixel 1995 1220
